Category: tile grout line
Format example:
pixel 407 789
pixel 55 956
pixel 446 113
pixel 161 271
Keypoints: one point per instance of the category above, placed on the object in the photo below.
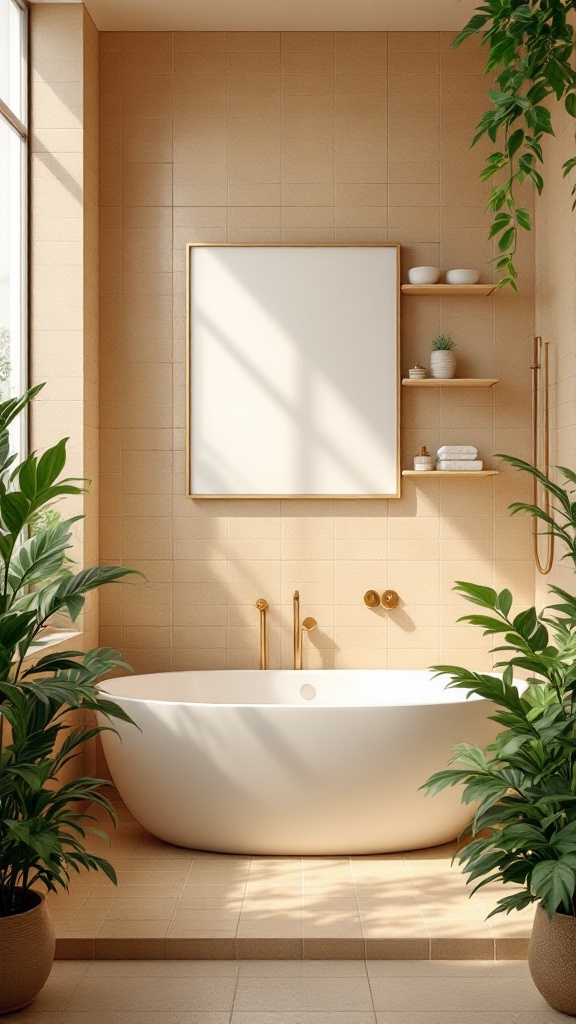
pixel 411 877
pixel 248 873
pixel 76 986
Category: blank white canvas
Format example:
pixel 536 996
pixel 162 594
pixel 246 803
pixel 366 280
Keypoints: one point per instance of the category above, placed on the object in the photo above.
pixel 293 370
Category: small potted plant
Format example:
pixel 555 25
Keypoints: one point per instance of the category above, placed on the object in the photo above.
pixel 442 358
pixel 523 832
pixel 46 708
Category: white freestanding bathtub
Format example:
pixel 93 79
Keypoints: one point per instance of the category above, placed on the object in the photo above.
pixel 282 762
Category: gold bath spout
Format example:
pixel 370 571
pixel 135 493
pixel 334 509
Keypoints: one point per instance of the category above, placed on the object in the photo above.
pixel 298 628
pixel 262 606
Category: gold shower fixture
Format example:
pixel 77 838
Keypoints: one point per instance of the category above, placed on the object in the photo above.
pixel 262 606
pixel 541 447
pixel 298 628
pixel 388 600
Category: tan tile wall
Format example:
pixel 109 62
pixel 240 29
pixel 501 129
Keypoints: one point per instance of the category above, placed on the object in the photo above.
pixel 298 137
pixel 64 256
pixel 57 226
pixel 555 260
pixel 65 261
pixel 556 310
pixel 91 276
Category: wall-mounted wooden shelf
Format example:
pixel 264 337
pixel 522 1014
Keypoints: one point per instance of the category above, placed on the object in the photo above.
pixel 453 382
pixel 453 290
pixel 451 472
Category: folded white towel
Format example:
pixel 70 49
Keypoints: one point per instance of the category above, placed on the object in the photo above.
pixel 459 456
pixel 459 464
pixel 460 451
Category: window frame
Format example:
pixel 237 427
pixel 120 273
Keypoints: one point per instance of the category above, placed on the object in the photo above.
pixel 20 127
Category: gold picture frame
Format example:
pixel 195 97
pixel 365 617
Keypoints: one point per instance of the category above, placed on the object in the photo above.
pixel 190 246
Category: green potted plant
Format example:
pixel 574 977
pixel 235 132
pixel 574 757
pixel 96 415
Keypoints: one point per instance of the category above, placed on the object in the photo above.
pixel 523 832
pixel 46 705
pixel 442 358
pixel 530 61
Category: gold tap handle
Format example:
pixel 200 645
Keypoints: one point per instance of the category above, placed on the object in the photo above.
pixel 262 606
pixel 297 632
pixel 542 567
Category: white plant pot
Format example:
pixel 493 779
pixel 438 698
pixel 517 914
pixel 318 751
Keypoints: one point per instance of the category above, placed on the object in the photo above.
pixel 442 364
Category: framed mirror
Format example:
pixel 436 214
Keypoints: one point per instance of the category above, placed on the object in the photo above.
pixel 293 371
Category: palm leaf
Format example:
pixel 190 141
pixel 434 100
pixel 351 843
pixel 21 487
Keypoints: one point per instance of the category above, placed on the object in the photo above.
pixel 44 824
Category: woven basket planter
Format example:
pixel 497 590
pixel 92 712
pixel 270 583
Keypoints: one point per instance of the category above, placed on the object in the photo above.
pixel 552 960
pixel 26 955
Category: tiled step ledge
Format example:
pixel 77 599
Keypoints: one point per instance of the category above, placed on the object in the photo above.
pixel 173 903
pixel 424 948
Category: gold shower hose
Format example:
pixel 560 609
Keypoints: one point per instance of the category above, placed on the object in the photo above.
pixel 539 363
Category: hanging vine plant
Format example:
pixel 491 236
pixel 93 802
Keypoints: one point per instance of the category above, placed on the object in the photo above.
pixel 531 48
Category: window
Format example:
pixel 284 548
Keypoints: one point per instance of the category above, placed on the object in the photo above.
pixel 13 203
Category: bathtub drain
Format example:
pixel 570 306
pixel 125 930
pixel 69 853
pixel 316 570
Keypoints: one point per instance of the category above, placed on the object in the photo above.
pixel 308 692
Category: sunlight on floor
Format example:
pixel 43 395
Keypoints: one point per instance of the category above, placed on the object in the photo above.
pixel 173 902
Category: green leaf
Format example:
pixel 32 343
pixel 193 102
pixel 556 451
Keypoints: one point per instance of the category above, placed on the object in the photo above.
pixel 523 13
pixel 106 868
pixel 70 592
pixel 501 221
pixel 27 477
pixel 51 464
pixel 14 510
pixel 484 596
pixel 538 117
pixel 558 492
pixel 564 841
pixel 524 219
pixel 554 74
pixel 14 626
pixel 504 601
pixel 477 22
pixel 74 604
pixel 28 773
pixel 12 408
pixel 486 622
pixel 515 901
pixel 570 103
pixel 42 556
pixel 506 242
pixel 525 622
pixel 554 881
pixel 514 142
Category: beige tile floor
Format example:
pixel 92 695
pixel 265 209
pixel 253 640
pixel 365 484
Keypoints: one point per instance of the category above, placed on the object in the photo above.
pixel 177 904
pixel 288 992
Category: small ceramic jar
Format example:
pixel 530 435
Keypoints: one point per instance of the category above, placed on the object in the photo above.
pixel 423 462
pixel 417 372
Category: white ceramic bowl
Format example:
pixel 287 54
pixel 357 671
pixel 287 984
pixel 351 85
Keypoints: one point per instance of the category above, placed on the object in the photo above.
pixel 424 275
pixel 462 276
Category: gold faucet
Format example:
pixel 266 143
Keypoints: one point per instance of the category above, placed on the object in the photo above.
pixel 262 606
pixel 308 624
